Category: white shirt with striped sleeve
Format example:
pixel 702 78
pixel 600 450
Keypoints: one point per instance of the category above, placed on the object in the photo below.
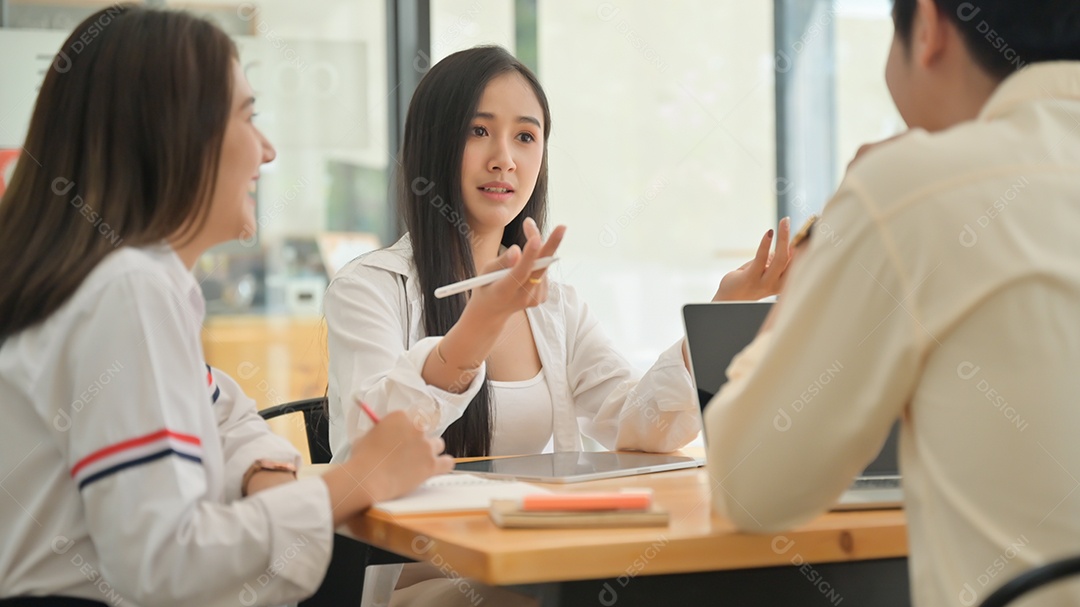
pixel 122 453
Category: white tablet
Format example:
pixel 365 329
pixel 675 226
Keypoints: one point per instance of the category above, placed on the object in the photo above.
pixel 576 466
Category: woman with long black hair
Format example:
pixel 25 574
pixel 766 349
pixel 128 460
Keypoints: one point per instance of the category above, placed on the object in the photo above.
pixel 518 363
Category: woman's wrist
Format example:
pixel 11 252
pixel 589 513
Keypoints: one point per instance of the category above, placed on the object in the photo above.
pixel 454 362
pixel 467 344
pixel 264 479
pixel 349 496
pixel 264 473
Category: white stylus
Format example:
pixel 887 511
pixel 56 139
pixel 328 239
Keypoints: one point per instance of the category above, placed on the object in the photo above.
pixel 486 279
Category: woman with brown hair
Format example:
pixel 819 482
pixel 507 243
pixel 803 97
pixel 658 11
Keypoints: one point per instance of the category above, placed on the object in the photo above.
pixel 132 471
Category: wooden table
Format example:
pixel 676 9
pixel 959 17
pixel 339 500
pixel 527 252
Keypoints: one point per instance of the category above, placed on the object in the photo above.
pixel 854 557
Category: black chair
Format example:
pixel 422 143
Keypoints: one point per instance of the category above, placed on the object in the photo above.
pixel 344 581
pixel 1031 580
pixel 316 424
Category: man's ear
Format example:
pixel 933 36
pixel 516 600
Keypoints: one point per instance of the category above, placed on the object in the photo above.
pixel 931 33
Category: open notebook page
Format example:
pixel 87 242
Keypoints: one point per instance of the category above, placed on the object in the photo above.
pixel 457 493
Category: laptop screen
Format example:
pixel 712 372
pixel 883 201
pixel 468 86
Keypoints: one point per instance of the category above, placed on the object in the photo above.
pixel 887 461
pixel 717 332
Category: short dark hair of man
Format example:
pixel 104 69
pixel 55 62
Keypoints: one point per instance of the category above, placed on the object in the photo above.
pixel 1005 35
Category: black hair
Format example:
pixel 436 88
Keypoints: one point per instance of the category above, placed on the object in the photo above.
pixel 429 191
pixel 1005 35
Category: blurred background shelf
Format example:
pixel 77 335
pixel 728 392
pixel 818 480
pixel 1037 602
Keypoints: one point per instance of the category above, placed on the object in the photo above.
pixel 275 359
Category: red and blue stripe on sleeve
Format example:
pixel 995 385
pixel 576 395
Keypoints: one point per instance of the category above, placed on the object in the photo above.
pixel 215 391
pixel 135 452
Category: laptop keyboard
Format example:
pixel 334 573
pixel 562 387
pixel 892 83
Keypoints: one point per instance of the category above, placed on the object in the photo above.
pixel 876 482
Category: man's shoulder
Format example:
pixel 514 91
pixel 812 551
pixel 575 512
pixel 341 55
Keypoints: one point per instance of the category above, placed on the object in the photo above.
pixel 919 164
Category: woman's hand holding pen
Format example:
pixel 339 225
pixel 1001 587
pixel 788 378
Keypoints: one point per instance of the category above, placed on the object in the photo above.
pixel 762 276
pixel 523 287
pixel 393 458
pixel 410 455
pixel 456 359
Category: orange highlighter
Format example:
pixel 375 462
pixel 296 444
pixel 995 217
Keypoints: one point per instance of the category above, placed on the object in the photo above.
pixel 587 502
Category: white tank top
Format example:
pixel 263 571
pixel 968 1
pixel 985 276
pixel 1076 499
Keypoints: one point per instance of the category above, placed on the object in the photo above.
pixel 523 416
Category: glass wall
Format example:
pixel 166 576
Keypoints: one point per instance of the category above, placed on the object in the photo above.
pixel 662 153
pixel 319 73
pixel 319 70
pixel 865 112
pixel 461 24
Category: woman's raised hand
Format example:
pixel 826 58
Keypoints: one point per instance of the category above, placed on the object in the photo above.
pixel 456 359
pixel 523 287
pixel 763 275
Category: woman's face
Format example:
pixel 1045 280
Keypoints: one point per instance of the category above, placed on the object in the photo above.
pixel 243 150
pixel 503 153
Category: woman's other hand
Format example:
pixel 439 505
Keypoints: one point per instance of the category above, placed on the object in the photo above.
pixel 762 276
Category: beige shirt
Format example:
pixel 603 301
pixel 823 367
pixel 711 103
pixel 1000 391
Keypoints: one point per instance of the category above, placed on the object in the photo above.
pixel 941 285
pixel 378 348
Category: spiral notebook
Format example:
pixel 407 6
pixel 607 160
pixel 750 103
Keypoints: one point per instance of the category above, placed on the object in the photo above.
pixel 457 493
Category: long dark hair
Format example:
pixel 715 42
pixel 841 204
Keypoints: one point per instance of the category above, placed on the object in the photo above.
pixel 429 190
pixel 122 149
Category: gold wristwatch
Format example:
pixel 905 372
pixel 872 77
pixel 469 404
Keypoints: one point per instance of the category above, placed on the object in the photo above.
pixel 264 464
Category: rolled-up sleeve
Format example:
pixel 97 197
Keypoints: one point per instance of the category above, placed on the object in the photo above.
pixel 616 405
pixel 366 338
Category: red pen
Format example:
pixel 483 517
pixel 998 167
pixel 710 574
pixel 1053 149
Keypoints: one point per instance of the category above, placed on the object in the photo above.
pixel 367 409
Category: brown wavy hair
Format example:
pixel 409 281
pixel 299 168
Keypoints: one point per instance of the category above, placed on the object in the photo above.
pixel 122 149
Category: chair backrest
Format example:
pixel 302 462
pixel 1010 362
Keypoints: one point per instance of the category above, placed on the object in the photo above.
pixel 316 424
pixel 343 583
pixel 1031 580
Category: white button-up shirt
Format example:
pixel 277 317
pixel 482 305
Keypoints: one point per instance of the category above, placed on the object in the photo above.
pixel 942 285
pixel 378 350
pixel 123 455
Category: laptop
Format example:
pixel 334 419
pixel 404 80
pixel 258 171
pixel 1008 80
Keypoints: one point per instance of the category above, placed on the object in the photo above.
pixel 717 332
